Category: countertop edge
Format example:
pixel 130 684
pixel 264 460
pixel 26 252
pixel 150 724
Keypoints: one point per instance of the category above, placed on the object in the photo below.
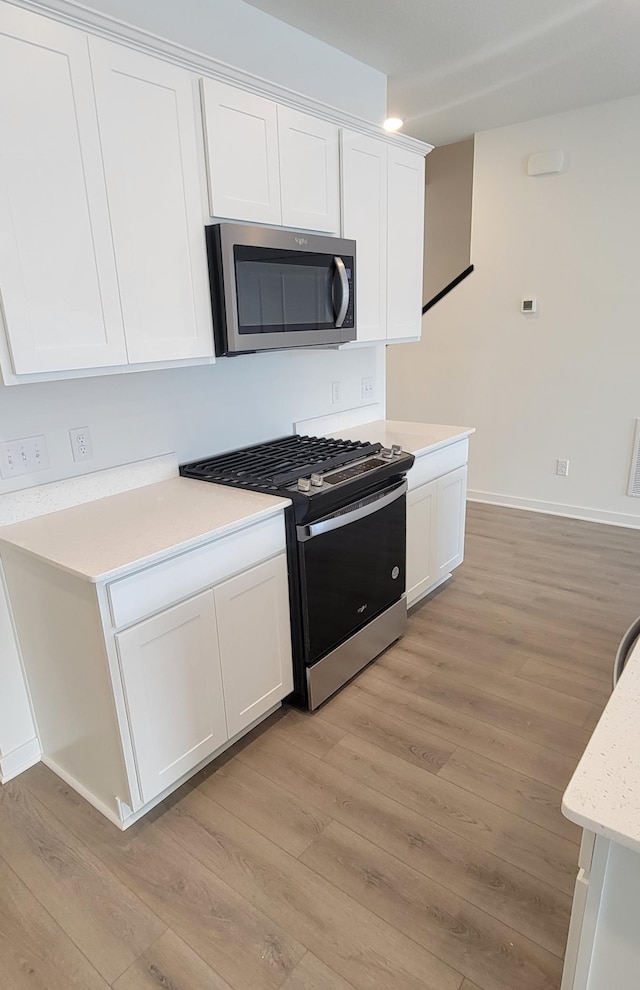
pixel 600 828
pixel 422 451
pixel 141 563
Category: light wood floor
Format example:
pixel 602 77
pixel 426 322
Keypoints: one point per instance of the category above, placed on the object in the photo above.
pixel 407 836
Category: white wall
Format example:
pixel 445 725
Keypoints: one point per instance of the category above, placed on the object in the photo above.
pixel 563 383
pixel 200 410
pixel 249 39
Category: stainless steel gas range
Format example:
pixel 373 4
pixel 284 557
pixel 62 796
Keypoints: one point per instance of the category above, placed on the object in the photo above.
pixel 346 547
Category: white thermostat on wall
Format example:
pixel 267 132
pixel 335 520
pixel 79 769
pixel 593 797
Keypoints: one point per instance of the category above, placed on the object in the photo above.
pixel 529 306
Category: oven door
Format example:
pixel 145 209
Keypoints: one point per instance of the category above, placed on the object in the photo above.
pixel 352 567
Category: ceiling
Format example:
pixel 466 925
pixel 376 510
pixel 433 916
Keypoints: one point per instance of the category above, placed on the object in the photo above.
pixel 460 66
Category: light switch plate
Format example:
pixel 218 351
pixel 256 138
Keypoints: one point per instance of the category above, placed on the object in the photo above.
pixel 25 456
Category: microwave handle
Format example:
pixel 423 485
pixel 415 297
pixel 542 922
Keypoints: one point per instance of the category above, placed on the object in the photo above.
pixel 341 272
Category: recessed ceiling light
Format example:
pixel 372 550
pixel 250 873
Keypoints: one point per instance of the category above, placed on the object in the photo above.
pixel 393 124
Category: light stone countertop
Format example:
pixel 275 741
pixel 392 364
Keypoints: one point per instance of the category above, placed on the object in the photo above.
pixel 415 438
pixel 108 537
pixel 604 793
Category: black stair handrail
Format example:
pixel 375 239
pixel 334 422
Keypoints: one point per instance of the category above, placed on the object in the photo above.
pixel 447 288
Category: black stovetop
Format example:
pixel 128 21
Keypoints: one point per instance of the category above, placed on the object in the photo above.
pixel 277 463
pixel 342 469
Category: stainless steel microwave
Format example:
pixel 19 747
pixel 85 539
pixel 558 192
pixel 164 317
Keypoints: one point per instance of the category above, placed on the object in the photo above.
pixel 273 288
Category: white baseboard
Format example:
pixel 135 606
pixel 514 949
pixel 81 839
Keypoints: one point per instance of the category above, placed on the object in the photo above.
pixel 624 519
pixel 20 759
pixel 99 805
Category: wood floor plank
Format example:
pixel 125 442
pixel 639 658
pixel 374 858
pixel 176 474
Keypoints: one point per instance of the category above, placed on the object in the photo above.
pixel 534 908
pixel 416 745
pixel 495 743
pixel 35 954
pixel 311 974
pixel 239 942
pixel 467 938
pixel 534 726
pixel 169 964
pixel 312 735
pixel 574 684
pixel 524 796
pixel 269 809
pixel 99 914
pixel 478 676
pixel 320 916
pixel 592 720
pixel 521 843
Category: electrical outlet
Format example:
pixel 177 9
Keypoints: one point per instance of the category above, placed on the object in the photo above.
pixel 81 444
pixel 336 392
pixel 562 468
pixel 368 388
pixel 24 456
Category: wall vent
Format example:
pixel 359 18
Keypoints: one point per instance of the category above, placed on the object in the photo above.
pixel 634 475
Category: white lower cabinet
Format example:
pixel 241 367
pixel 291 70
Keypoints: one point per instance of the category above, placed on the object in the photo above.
pixel 422 538
pixel 436 512
pixel 452 500
pixel 172 683
pixel 138 681
pixel 255 642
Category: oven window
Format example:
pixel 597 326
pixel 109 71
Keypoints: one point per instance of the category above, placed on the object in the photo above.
pixel 283 290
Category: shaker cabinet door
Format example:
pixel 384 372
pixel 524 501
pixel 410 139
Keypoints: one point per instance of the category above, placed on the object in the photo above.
pixel 170 668
pixel 241 137
pixel 147 119
pixel 364 219
pixel 309 171
pixel 255 641
pixel 452 496
pixel 422 540
pixel 58 287
pixel 405 243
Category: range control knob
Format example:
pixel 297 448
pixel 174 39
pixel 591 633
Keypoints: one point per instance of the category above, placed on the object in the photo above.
pixel 316 480
pixel 386 453
pixel 396 449
pixel 304 485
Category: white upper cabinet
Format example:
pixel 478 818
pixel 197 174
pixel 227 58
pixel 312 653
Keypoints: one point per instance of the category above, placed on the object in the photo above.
pixel 383 209
pixel 241 136
pixel 364 218
pixel 309 171
pixel 147 119
pixel 405 243
pixel 267 163
pixel 58 285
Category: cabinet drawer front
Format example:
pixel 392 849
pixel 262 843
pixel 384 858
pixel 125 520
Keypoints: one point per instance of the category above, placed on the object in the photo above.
pixel 431 466
pixel 150 590
pixel 171 675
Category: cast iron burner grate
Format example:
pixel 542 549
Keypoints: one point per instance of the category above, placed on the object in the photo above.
pixel 280 462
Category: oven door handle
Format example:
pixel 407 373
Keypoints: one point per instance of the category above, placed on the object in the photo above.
pixel 344 518
pixel 341 312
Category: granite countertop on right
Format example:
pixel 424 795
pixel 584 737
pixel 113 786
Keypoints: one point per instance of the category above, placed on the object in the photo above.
pixel 604 793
